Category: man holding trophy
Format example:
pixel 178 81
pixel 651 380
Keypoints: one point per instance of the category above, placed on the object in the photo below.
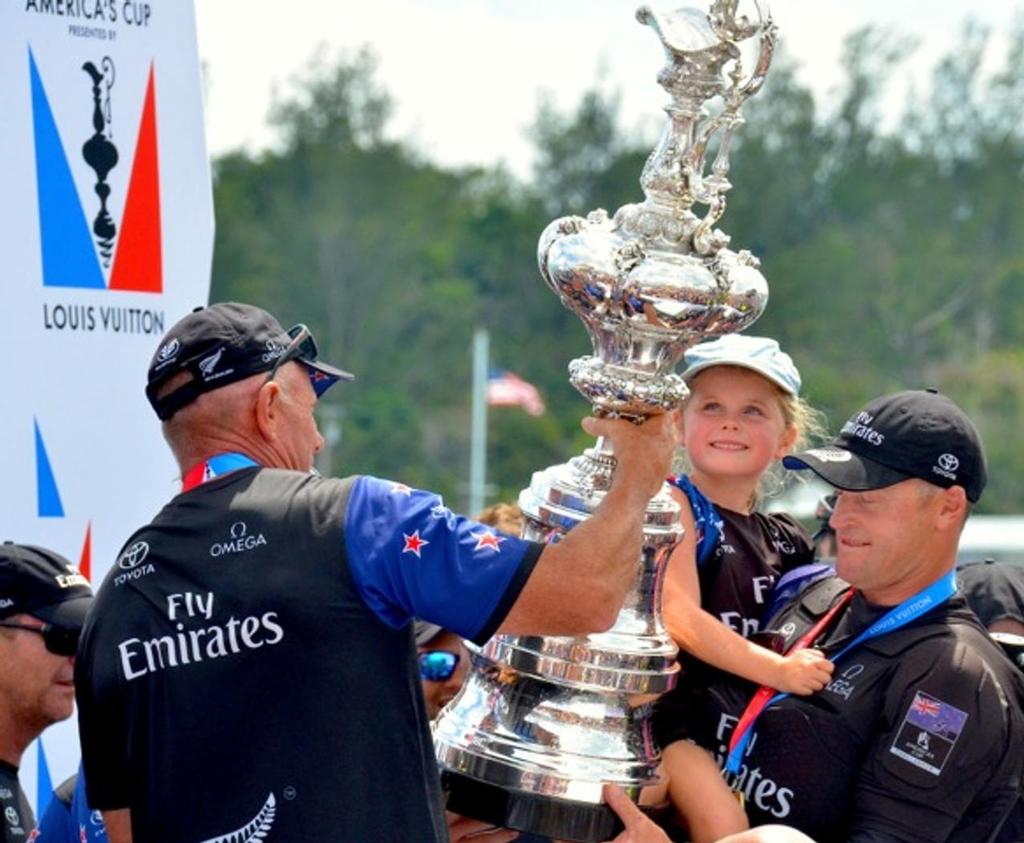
pixel 267 609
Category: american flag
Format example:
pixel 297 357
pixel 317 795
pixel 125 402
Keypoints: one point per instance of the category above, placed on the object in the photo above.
pixel 505 389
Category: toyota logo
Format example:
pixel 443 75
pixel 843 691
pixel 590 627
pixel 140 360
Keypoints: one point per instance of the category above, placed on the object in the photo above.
pixel 168 350
pixel 947 462
pixel 238 530
pixel 133 556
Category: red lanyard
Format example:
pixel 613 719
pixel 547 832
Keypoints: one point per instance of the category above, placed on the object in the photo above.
pixel 765 692
pixel 215 466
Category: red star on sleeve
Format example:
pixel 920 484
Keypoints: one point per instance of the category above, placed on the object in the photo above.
pixel 487 541
pixel 413 543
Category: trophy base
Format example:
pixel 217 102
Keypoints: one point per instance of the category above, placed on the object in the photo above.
pixel 559 819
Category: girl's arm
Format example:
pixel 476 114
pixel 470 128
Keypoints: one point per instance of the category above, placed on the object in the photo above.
pixel 706 637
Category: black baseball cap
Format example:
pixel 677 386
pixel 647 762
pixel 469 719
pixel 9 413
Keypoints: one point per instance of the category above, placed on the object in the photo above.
pixel 994 590
pixel 38 582
pixel 917 433
pixel 224 343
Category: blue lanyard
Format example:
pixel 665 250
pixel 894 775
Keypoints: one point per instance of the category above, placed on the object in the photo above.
pixel 215 467
pixel 909 610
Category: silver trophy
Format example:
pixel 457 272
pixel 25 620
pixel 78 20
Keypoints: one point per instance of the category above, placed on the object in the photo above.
pixel 542 722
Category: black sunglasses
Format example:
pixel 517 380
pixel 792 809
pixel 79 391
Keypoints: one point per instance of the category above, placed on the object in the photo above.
pixel 59 640
pixel 302 345
pixel 438 665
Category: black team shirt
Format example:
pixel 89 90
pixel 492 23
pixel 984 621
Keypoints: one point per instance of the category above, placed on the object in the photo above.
pixel 919 735
pixel 248 671
pixel 736 584
pixel 16 818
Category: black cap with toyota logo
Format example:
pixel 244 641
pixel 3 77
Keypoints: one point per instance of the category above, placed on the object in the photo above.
pixel 38 582
pixel 917 433
pixel 217 345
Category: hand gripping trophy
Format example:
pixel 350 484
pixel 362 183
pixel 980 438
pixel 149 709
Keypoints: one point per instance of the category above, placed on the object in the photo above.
pixel 542 722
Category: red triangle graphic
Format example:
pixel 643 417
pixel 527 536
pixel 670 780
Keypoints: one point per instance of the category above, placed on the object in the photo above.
pixel 138 260
pixel 85 560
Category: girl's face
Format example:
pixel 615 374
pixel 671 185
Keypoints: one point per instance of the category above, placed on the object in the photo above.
pixel 733 424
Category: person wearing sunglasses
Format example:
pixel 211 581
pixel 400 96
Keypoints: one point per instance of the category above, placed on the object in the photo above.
pixel 253 651
pixel 43 604
pixel 443 662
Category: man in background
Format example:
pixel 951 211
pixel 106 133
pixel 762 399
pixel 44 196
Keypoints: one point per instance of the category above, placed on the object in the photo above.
pixel 43 604
pixel 444 663
pixel 995 590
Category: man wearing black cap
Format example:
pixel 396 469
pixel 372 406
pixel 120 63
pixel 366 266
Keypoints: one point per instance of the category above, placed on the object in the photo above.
pixel 250 669
pixel 919 736
pixel 43 604
pixel 995 590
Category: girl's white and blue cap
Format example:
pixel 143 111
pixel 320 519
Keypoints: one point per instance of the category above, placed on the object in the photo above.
pixel 759 354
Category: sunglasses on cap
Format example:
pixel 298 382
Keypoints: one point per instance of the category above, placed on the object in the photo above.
pixel 59 640
pixel 302 346
pixel 438 665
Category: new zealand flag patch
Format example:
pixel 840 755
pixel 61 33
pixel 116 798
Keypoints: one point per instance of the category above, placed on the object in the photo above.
pixel 928 733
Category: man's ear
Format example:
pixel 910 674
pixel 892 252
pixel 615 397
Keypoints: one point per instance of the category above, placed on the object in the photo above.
pixel 267 409
pixel 953 507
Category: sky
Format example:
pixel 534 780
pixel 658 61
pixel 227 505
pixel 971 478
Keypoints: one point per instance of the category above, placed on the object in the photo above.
pixel 465 75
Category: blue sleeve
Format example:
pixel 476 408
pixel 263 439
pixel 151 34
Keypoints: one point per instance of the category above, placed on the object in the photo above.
pixel 412 557
pixel 705 518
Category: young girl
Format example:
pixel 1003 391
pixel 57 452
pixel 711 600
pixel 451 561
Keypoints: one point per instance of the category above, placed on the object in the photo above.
pixel 743 413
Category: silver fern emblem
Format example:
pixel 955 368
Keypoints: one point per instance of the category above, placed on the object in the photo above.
pixel 255 829
pixel 208 364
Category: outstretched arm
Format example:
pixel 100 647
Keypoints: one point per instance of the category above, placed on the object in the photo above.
pixel 580 583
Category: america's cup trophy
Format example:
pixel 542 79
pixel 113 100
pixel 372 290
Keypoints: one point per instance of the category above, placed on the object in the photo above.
pixel 542 722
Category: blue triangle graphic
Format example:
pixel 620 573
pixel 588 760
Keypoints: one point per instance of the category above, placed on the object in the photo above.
pixel 44 784
pixel 69 257
pixel 46 487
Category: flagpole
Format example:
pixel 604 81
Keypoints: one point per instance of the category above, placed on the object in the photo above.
pixel 478 431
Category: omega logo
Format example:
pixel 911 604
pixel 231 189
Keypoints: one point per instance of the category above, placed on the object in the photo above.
pixel 853 671
pixel 133 556
pixel 240 541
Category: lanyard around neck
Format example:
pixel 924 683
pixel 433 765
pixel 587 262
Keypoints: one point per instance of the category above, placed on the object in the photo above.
pixel 214 467
pixel 909 610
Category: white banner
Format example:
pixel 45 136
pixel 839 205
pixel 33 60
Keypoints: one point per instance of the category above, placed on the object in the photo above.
pixel 106 216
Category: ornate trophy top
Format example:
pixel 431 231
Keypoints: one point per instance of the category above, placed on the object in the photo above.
pixel 656 278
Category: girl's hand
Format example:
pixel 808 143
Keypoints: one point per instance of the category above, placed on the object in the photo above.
pixel 803 672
